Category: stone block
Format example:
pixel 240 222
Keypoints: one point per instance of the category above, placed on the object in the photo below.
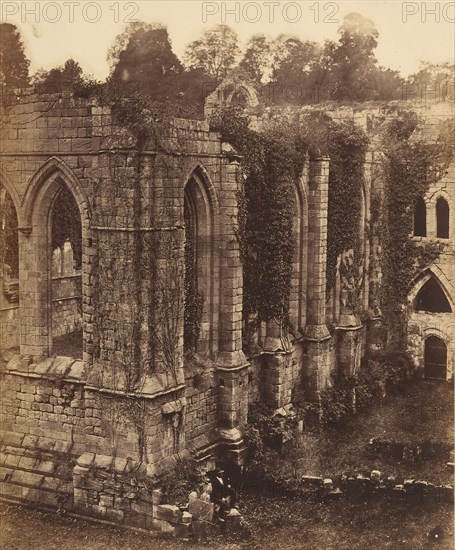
pixel 13 439
pixel 375 476
pixel 44 443
pixel 327 484
pixel 142 507
pixel 183 530
pixel 103 461
pixel 106 501
pixel 76 371
pixel 200 509
pixel 162 526
pixel 312 480
pixel 167 512
pixel 45 467
pixel 26 478
pixel 27 463
pixel 12 461
pixel 186 517
pixel 156 496
pixel 85 460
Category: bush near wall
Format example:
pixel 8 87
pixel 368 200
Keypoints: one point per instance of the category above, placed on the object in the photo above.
pixel 381 374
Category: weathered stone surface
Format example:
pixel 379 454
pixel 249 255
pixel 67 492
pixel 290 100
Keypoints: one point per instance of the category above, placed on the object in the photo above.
pixel 47 403
pixel 327 484
pixel 167 512
pixel 183 530
pixel 13 439
pixel 85 460
pixel 375 476
pixel 163 526
pixel 200 509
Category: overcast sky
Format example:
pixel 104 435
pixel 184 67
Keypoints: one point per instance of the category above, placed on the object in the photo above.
pixel 56 31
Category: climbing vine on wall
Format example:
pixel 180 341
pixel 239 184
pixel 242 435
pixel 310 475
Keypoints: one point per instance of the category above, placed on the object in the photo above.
pixel 345 144
pixel 273 160
pixel 271 164
pixel 412 165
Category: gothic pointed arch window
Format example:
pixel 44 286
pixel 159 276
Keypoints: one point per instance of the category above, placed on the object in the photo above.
pixel 442 218
pixel 432 299
pixel 199 282
pixel 66 287
pixel 420 218
pixel 9 250
pixel 9 245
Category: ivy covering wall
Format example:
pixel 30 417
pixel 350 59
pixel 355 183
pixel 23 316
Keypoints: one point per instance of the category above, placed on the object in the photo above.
pixel 411 165
pixel 273 161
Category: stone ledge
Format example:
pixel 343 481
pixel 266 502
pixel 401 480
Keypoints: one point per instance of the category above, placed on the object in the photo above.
pixel 62 368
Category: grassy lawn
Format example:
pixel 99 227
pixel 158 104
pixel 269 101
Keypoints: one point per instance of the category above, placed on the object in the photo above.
pixel 277 524
pixel 423 412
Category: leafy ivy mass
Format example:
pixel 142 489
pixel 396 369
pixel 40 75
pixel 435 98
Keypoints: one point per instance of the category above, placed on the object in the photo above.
pixel 411 165
pixel 273 160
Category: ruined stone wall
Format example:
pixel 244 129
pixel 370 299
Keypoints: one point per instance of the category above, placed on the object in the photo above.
pixel 131 205
pixel 422 324
pixel 128 398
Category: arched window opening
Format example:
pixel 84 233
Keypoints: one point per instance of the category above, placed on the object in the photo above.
pixel 435 358
pixel 420 218
pixel 66 295
pixel 442 219
pixel 9 273
pixel 9 246
pixel 193 299
pixel 198 319
pixel 431 298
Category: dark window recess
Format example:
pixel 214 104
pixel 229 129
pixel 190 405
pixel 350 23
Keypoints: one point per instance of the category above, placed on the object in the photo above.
pixel 442 219
pixel 435 358
pixel 431 298
pixel 420 218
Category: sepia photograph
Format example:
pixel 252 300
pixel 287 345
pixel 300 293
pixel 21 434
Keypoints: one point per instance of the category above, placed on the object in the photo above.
pixel 227 275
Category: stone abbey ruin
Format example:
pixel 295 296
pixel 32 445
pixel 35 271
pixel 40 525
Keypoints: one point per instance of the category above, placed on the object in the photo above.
pixel 95 381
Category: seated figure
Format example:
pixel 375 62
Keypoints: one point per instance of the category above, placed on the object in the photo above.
pixel 222 495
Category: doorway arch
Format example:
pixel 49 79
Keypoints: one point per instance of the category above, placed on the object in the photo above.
pixel 435 358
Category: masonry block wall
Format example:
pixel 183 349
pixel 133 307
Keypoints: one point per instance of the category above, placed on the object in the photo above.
pixel 135 394
pixel 128 397
pixel 440 324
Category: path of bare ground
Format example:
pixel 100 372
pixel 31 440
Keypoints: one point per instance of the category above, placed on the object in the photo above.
pixel 277 524
pixel 423 413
